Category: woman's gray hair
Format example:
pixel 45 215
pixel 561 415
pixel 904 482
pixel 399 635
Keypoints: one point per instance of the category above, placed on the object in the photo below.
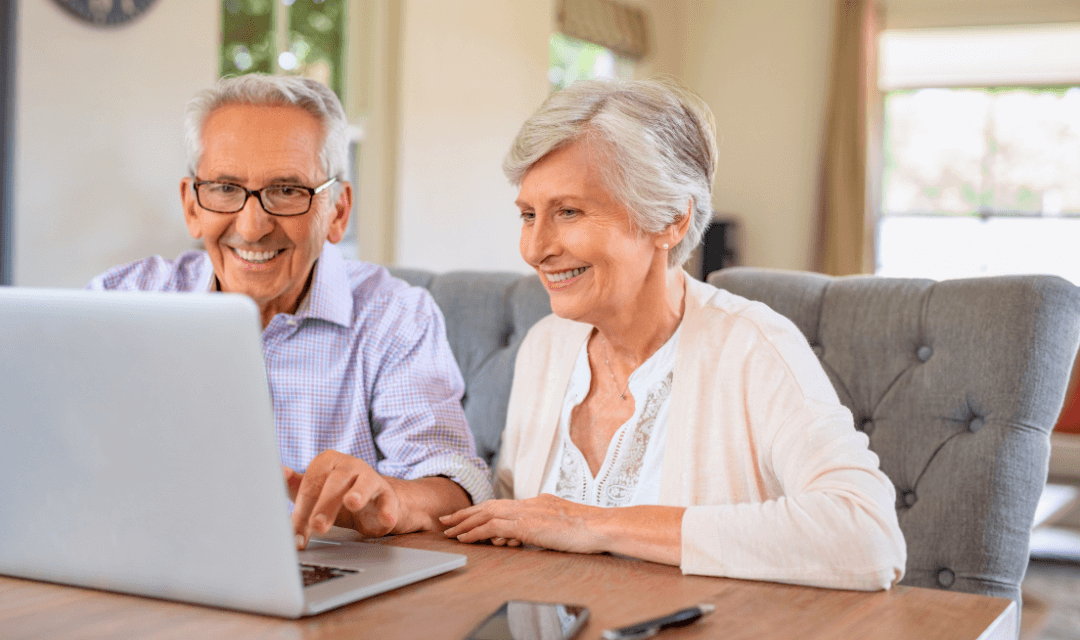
pixel 655 140
pixel 264 90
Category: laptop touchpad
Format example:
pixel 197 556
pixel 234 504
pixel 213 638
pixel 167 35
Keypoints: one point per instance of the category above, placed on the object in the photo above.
pixel 349 555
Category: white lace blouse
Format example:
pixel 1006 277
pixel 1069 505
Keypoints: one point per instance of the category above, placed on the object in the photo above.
pixel 630 473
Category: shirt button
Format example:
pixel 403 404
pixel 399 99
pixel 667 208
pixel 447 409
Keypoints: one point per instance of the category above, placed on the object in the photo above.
pixel 946 577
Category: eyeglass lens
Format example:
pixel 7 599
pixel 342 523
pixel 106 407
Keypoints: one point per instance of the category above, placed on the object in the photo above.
pixel 228 198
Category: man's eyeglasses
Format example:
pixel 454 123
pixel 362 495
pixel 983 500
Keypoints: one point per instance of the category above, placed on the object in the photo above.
pixel 277 199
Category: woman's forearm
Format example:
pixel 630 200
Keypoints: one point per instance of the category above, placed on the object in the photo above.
pixel 651 533
pixel 648 532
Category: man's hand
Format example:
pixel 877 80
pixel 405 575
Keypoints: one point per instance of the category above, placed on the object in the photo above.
pixel 338 489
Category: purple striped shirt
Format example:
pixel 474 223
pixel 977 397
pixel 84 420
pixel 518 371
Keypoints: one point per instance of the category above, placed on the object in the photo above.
pixel 363 368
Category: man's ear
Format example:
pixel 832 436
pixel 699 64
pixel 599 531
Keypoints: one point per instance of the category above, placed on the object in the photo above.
pixel 191 207
pixel 342 209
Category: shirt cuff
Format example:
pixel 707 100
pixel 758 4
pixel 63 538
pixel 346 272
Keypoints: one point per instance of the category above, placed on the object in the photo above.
pixel 471 475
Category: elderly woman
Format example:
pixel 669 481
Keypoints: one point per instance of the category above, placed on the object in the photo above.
pixel 652 415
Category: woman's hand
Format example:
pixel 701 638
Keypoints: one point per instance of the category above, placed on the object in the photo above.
pixel 544 521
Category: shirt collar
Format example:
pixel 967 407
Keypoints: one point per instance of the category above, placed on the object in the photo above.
pixel 207 281
pixel 328 298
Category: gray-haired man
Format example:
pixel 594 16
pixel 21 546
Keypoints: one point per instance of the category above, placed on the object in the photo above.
pixel 367 395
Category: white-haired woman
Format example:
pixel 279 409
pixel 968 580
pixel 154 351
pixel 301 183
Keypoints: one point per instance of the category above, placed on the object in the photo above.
pixel 653 415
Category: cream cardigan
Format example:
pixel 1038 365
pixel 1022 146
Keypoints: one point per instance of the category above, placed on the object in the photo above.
pixel 779 485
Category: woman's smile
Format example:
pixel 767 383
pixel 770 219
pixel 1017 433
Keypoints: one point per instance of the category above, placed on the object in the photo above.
pixel 558 280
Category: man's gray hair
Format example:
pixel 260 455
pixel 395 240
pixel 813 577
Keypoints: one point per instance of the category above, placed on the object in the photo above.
pixel 656 144
pixel 263 90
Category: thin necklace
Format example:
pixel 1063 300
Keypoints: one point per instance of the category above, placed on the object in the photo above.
pixel 611 372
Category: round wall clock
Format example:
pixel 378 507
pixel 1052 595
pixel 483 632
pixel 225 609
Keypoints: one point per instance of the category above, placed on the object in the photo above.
pixel 106 13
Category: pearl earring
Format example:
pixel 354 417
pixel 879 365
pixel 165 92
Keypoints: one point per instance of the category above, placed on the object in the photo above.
pixel 665 246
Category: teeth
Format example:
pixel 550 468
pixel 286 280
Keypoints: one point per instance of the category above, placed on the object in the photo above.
pixel 255 256
pixel 565 275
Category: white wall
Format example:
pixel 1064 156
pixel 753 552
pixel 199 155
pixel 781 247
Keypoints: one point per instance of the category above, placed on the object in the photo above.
pixel 762 66
pixel 103 107
pixel 99 137
pixel 472 72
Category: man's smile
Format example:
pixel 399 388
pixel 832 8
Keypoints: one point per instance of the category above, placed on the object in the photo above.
pixel 256 257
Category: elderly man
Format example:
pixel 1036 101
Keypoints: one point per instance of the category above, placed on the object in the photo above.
pixel 366 393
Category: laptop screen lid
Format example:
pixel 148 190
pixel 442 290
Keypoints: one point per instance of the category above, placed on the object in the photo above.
pixel 140 429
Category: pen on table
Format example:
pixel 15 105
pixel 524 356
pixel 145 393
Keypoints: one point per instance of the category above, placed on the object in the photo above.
pixel 650 628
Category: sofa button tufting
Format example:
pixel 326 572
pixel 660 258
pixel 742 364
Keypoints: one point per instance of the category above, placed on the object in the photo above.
pixel 818 350
pixel 976 424
pixel 867 426
pixel 946 577
pixel 909 498
pixel 924 353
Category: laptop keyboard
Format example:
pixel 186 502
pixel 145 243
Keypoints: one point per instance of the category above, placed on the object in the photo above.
pixel 314 574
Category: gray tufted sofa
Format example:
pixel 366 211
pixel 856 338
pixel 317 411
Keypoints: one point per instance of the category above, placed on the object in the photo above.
pixel 957 384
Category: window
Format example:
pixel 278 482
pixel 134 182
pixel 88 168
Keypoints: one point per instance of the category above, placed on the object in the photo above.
pixel 596 39
pixel 980 180
pixel 572 59
pixel 298 37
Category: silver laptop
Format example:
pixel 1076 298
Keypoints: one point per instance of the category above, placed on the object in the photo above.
pixel 137 433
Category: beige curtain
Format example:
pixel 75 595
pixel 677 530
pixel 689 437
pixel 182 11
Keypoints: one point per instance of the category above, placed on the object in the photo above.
pixel 852 155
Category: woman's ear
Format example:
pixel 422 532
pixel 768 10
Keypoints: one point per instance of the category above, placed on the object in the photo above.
pixel 676 231
pixel 683 224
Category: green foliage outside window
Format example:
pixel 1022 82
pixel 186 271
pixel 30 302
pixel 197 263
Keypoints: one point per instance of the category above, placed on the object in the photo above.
pixel 317 41
pixel 570 59
pixel 313 44
pixel 1009 151
pixel 247 37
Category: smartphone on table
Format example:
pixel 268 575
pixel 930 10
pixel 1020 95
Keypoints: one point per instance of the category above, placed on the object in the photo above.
pixel 523 620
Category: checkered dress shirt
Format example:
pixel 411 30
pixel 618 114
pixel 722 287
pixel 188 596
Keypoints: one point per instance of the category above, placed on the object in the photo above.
pixel 363 368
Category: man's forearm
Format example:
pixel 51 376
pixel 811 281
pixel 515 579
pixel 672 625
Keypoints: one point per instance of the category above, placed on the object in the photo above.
pixel 425 499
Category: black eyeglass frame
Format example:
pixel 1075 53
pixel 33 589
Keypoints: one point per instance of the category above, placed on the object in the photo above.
pixel 312 192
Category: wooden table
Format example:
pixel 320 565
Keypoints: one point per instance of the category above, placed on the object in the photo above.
pixel 617 590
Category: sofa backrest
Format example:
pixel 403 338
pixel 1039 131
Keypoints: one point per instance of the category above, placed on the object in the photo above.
pixel 957 384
